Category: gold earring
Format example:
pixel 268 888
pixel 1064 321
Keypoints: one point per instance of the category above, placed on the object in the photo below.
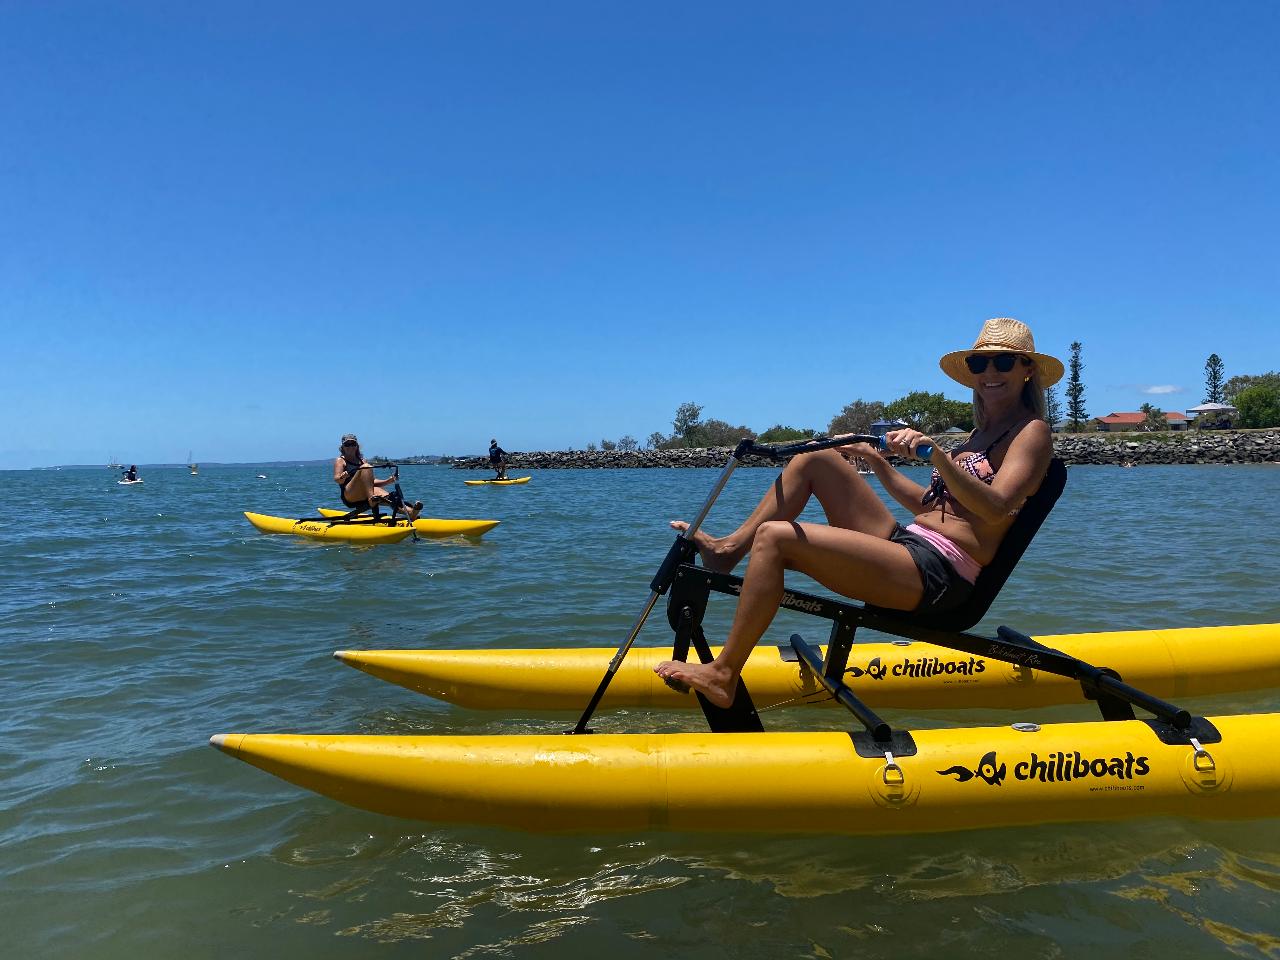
pixel 1026 379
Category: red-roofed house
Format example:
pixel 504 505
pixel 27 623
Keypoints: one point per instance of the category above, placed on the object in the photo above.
pixel 1116 422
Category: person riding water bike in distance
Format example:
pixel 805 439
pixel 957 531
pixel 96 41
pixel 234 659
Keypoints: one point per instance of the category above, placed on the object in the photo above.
pixel 498 460
pixel 358 486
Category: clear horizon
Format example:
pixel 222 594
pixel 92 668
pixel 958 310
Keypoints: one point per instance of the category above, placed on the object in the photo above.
pixel 245 231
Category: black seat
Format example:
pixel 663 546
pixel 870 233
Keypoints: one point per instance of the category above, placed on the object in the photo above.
pixel 993 575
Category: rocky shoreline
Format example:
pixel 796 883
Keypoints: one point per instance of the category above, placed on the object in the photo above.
pixel 1191 447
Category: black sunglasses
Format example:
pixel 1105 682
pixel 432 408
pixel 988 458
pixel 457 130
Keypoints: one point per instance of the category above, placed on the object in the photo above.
pixel 977 362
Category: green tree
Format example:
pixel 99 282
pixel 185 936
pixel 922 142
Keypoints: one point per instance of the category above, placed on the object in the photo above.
pixel 1052 407
pixel 628 443
pixel 687 420
pixel 929 412
pixel 856 417
pixel 1237 384
pixel 656 440
pixel 1213 370
pixel 1259 406
pixel 1154 419
pixel 608 445
pixel 717 433
pixel 780 434
pixel 1077 414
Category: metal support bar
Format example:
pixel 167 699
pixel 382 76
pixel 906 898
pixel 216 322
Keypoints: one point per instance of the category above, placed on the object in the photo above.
pixel 879 730
pixel 839 644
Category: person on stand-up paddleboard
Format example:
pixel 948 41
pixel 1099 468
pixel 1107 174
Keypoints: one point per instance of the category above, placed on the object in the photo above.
pixel 861 552
pixel 132 473
pixel 498 460
pixel 358 486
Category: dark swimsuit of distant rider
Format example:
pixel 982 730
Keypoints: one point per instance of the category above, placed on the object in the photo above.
pixel 360 489
pixel 498 460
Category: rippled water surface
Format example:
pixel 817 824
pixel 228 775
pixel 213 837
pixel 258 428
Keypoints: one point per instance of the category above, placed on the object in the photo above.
pixel 137 621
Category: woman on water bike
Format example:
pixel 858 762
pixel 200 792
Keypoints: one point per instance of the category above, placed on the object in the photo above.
pixel 358 486
pixel 861 552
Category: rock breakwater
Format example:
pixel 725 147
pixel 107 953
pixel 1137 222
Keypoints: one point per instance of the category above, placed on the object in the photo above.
pixel 1218 446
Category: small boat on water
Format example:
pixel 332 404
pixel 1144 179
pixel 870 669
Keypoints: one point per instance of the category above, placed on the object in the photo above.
pixel 192 465
pixel 497 483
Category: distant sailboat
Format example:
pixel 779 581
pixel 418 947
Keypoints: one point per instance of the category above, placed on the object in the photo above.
pixel 192 465
pixel 112 465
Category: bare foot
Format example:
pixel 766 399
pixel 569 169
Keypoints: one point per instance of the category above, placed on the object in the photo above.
pixel 415 510
pixel 717 553
pixel 715 683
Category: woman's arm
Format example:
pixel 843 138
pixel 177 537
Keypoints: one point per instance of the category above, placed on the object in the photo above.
pixel 907 492
pixel 1019 476
pixel 343 472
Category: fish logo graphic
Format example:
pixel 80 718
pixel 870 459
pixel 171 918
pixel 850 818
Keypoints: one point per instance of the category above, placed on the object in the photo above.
pixel 875 670
pixel 987 771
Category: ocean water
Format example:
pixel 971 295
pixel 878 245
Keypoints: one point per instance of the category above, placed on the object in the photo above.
pixel 137 621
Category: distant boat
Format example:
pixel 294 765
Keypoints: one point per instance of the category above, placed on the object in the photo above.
pixel 192 466
pixel 262 476
pixel 115 466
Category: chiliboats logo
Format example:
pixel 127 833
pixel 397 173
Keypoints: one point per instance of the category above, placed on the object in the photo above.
pixel 1058 767
pixel 923 667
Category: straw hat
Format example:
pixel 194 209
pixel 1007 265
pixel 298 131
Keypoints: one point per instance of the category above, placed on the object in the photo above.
pixel 1003 335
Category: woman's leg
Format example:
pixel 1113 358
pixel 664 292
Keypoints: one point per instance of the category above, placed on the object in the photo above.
pixel 360 487
pixel 857 565
pixel 410 510
pixel 846 498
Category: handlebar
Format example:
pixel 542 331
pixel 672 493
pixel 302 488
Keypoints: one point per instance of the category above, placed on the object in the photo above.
pixel 746 446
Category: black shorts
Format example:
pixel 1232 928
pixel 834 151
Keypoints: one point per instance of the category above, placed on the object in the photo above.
pixel 353 504
pixel 944 588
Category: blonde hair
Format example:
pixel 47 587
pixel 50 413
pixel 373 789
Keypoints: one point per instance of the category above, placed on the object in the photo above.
pixel 1032 399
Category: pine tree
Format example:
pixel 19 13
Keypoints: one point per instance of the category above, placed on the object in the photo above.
pixel 1213 372
pixel 1076 412
pixel 1052 407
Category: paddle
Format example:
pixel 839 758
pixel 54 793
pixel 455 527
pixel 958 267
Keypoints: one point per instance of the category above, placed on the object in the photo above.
pixel 682 550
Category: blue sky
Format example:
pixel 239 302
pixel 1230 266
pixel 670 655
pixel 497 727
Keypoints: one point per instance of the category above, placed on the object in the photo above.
pixel 245 229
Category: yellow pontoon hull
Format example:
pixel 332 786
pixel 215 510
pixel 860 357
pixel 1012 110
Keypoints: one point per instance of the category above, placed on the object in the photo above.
pixel 1172 664
pixel 786 782
pixel 497 483
pixel 365 534
pixel 432 526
